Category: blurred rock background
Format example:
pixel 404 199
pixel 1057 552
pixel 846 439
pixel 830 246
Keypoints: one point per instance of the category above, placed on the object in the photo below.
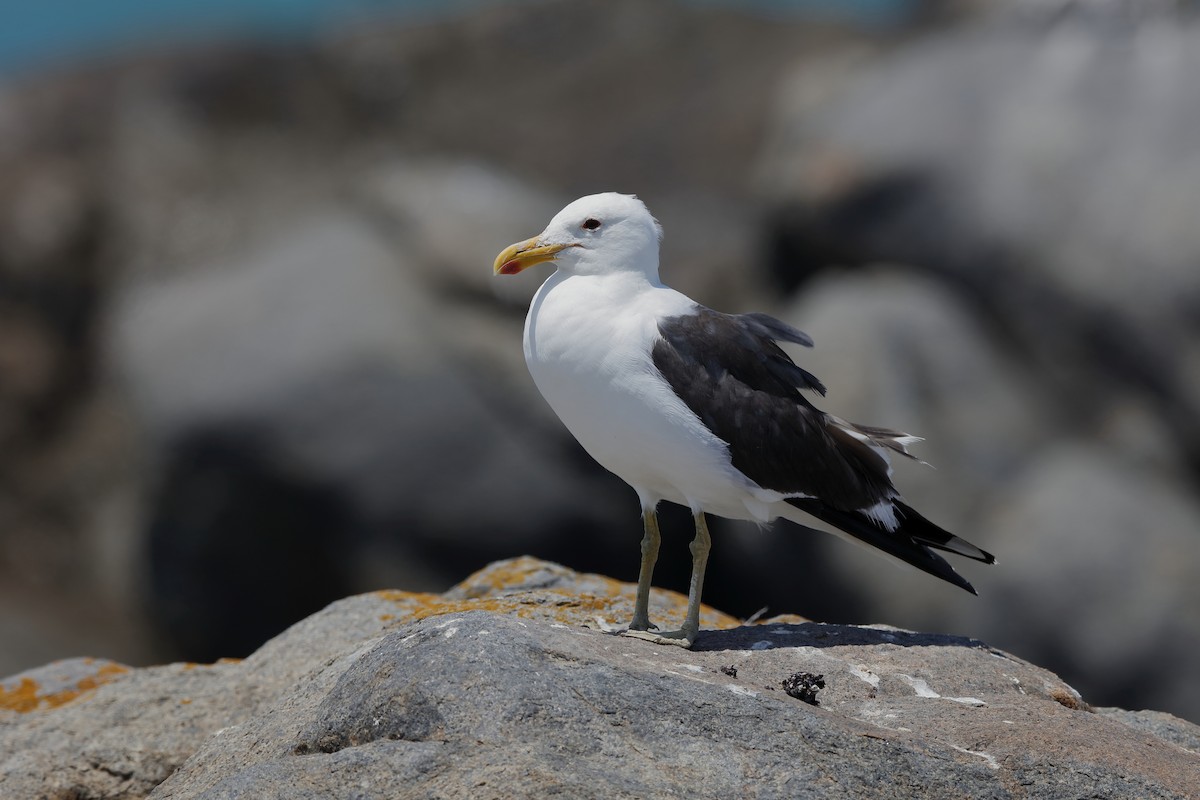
pixel 252 357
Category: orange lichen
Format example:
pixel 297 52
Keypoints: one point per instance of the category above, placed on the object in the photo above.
pixel 566 605
pixel 190 665
pixel 1072 701
pixel 28 695
pixel 22 698
pixel 508 574
pixel 530 588
pixel 401 596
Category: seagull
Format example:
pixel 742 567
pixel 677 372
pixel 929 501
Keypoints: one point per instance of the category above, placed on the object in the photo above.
pixel 700 408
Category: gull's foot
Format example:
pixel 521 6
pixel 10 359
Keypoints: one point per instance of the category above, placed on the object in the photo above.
pixel 678 638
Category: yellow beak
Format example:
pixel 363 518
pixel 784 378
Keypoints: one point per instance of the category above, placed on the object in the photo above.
pixel 524 255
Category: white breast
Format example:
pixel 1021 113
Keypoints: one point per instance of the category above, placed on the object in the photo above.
pixel 587 342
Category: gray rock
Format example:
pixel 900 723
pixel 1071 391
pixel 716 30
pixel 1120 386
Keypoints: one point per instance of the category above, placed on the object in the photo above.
pixel 454 217
pixel 335 343
pixel 1037 165
pixel 96 729
pixel 1124 541
pixel 1044 162
pixel 398 694
pixel 898 349
pixel 227 339
pixel 324 372
pixel 1083 532
pixel 1161 725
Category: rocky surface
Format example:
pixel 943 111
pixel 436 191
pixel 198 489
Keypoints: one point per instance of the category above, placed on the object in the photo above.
pixel 511 685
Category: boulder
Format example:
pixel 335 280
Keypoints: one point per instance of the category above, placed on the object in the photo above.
pixel 1041 161
pixel 1083 530
pixel 1033 165
pixel 312 398
pixel 1092 544
pixel 512 685
pixel 453 216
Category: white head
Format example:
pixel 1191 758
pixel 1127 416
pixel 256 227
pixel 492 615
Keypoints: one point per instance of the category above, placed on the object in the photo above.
pixel 597 234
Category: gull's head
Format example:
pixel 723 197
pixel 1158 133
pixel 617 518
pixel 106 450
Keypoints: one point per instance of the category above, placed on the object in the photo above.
pixel 597 234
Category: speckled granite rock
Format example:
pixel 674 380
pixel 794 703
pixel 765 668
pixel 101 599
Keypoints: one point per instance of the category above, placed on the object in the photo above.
pixel 510 686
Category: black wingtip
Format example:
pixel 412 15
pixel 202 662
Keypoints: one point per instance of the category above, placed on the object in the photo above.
pixel 957 580
pixel 927 533
pixel 907 543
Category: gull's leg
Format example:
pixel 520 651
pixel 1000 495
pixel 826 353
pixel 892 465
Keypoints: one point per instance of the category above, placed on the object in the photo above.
pixel 699 547
pixel 686 636
pixel 650 542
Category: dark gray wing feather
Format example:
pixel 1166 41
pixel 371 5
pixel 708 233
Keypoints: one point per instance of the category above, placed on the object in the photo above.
pixel 910 542
pixel 730 372
pixel 766 325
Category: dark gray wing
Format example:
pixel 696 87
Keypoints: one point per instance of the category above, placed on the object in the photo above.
pixel 728 369
pixel 909 542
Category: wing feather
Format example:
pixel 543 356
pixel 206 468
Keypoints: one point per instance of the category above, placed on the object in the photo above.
pixel 729 370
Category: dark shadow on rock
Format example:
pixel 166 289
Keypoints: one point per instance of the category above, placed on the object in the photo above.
pixel 818 634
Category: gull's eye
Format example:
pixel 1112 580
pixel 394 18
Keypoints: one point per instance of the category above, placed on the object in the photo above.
pixel 591 224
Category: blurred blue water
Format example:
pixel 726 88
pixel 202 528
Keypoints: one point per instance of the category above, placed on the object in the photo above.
pixel 49 32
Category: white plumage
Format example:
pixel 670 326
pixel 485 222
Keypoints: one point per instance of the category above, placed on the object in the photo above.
pixel 588 340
